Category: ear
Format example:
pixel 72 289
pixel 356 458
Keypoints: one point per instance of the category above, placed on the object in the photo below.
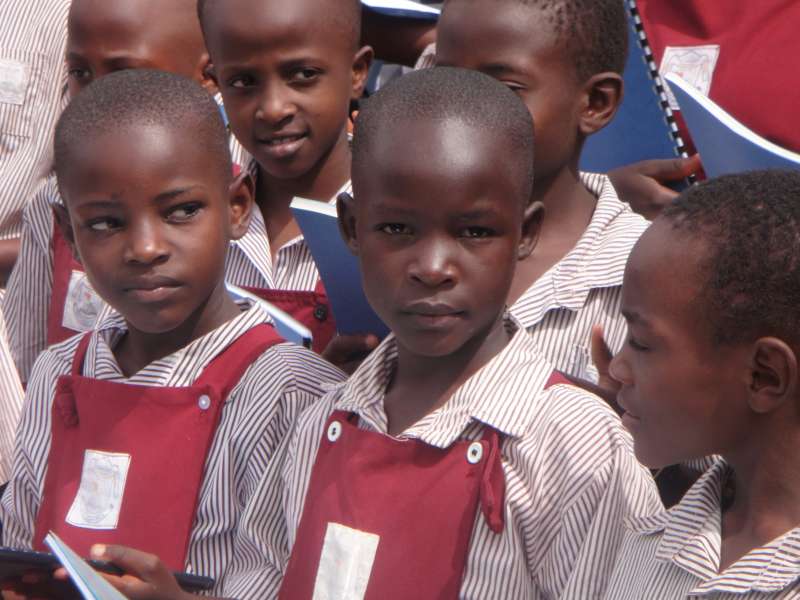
pixel 773 378
pixel 361 63
pixel 205 74
pixel 602 95
pixel 241 201
pixel 347 221
pixel 531 226
pixel 65 226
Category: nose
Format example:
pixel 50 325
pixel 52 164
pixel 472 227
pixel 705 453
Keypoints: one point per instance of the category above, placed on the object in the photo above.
pixel 434 265
pixel 619 368
pixel 145 244
pixel 276 105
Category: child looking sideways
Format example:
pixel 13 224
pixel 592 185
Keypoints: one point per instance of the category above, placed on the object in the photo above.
pixel 710 368
pixel 564 59
pixel 153 429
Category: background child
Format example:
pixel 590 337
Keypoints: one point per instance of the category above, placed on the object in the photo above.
pixel 710 368
pixel 287 73
pixel 564 59
pixel 49 298
pixel 144 168
pixel 458 382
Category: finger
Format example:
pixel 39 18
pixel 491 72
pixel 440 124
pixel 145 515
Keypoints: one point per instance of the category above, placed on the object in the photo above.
pixel 144 566
pixel 342 347
pixel 601 353
pixel 668 169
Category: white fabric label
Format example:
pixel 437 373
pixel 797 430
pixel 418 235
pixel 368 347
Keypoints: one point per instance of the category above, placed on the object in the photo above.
pixel 82 306
pixel 346 563
pixel 13 81
pixel 695 64
pixel 99 498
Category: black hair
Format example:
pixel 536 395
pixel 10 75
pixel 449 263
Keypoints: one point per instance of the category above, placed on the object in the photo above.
pixel 139 97
pixel 749 224
pixel 347 16
pixel 594 32
pixel 444 93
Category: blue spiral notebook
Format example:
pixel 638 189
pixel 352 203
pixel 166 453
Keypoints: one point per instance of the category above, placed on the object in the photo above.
pixel 338 268
pixel 403 8
pixel 725 145
pixel 644 127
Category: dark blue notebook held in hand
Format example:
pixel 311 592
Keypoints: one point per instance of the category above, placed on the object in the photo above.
pixel 338 269
pixel 643 127
pixel 726 145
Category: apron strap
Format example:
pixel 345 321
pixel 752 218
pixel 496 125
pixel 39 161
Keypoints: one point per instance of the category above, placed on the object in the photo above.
pixel 493 483
pixel 80 354
pixel 555 379
pixel 320 288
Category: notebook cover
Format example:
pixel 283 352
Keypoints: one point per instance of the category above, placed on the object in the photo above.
pixel 403 8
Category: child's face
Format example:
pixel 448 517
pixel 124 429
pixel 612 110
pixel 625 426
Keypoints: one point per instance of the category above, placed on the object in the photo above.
pixel 151 217
pixel 681 391
pixel 287 77
pixel 113 35
pixel 516 45
pixel 438 220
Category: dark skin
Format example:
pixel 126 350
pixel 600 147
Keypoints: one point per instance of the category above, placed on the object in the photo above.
pixel 287 78
pixel 9 250
pixel 438 250
pixel 396 40
pixel 515 44
pixel 687 397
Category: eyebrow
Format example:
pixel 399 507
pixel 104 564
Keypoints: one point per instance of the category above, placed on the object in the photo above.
pixel 172 194
pixel 631 316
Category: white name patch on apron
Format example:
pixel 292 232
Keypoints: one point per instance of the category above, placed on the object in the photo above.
pixel 695 64
pixel 13 81
pixel 345 564
pixel 82 306
pixel 99 498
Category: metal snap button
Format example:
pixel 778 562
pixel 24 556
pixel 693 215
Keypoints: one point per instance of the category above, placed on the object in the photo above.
pixel 204 402
pixel 334 431
pixel 320 312
pixel 475 453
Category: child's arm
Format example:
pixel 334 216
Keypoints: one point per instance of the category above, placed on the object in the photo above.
pixel 30 286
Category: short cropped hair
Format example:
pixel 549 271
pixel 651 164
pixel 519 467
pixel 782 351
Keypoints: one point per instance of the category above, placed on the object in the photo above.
pixel 594 32
pixel 141 97
pixel 347 16
pixel 750 226
pixel 445 93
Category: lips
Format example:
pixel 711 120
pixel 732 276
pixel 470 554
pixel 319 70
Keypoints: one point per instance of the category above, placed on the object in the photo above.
pixel 629 419
pixel 283 145
pixel 151 289
pixel 433 314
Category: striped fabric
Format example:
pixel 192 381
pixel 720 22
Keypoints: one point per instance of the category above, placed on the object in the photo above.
pixel 257 414
pixel 11 397
pixel 675 554
pixel 570 473
pixel 585 287
pixel 33 36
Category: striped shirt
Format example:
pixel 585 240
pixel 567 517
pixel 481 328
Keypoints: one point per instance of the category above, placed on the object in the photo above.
pixel 11 397
pixel 571 477
pixel 675 554
pixel 30 287
pixel 257 413
pixel 585 287
pixel 33 38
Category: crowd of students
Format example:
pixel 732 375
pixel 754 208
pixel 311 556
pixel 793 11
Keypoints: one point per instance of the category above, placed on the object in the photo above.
pixel 472 453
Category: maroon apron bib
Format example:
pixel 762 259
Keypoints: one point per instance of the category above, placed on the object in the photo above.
pixel 312 309
pixel 147 501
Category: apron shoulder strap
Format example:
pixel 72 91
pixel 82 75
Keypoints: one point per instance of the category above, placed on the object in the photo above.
pixel 320 288
pixel 555 379
pixel 80 354
pixel 227 368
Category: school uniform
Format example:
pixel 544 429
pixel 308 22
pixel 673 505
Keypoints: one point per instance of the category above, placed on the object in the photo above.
pixel 501 493
pixel 199 428
pixel 675 554
pixel 585 287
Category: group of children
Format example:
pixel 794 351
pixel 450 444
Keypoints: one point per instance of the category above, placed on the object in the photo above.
pixel 168 428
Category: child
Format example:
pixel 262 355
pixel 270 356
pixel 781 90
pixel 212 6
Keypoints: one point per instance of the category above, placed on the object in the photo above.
pixel 163 419
pixel 710 367
pixel 564 59
pixel 450 413
pixel 49 298
pixel 288 72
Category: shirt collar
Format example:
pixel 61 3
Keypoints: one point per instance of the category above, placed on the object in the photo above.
pixel 518 366
pixel 597 260
pixel 691 538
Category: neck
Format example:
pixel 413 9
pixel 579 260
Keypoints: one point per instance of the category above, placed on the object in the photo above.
pixel 766 503
pixel 422 384
pixel 568 210
pixel 138 348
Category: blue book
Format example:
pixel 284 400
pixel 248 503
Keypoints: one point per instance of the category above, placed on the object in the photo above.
pixel 403 8
pixel 337 267
pixel 724 144
pixel 644 126
pixel 286 325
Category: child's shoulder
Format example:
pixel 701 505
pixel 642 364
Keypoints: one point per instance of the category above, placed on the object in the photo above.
pixel 54 361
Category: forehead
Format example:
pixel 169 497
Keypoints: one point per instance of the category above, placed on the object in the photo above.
pixel 480 33
pixel 432 159
pixel 269 24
